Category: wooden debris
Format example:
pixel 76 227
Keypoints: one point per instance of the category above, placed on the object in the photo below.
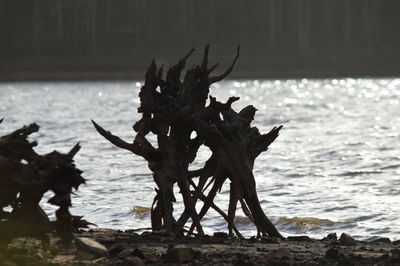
pixel 25 177
pixel 173 108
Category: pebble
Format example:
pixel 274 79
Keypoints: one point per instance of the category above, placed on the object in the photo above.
pixel 116 249
pixel 279 253
pixel 131 253
pixel 179 255
pixel 333 253
pixel 133 261
pixel 83 255
pixel 262 249
pixel 270 240
pixel 346 240
pixel 90 246
pixel 220 235
pixel 300 238
pixel 332 236
pixel 384 240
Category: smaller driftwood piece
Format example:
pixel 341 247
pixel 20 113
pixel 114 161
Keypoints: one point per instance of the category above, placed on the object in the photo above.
pixel 173 108
pixel 25 176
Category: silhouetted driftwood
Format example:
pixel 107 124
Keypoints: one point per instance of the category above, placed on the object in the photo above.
pixel 173 108
pixel 25 177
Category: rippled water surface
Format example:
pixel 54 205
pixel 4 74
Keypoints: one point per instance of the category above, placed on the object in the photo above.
pixel 334 168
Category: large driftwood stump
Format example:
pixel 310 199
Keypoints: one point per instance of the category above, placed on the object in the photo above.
pixel 25 177
pixel 173 108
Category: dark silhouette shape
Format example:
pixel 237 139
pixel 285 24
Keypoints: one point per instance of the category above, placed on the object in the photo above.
pixel 174 108
pixel 25 177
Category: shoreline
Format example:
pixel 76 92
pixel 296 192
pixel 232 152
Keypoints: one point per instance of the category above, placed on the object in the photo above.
pixel 138 74
pixel 115 247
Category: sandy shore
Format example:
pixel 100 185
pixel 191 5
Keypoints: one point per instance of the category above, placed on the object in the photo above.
pixel 130 248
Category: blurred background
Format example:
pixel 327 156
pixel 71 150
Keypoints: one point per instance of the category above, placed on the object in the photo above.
pixel 101 39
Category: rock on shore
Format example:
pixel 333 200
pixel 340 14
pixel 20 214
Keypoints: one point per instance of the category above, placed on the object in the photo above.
pixel 108 247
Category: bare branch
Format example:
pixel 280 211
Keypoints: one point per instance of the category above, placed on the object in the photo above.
pixel 262 142
pixel 116 140
pixel 160 73
pixel 196 173
pixel 25 131
pixel 228 71
pixel 206 200
pixel 204 64
pixel 248 113
pixel 230 101
pixel 212 69
pixel 174 73
pixel 74 150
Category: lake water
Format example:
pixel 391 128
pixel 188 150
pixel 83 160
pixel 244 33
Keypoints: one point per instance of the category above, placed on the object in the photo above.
pixel 334 168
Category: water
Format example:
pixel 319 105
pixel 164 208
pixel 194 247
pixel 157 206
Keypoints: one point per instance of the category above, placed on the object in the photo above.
pixel 334 168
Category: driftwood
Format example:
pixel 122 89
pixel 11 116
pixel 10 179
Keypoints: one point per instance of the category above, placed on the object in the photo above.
pixel 25 177
pixel 173 108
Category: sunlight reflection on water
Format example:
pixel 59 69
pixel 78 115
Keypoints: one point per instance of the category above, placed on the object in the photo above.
pixel 337 158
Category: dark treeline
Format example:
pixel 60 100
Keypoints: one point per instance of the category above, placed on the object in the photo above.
pixel 291 36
